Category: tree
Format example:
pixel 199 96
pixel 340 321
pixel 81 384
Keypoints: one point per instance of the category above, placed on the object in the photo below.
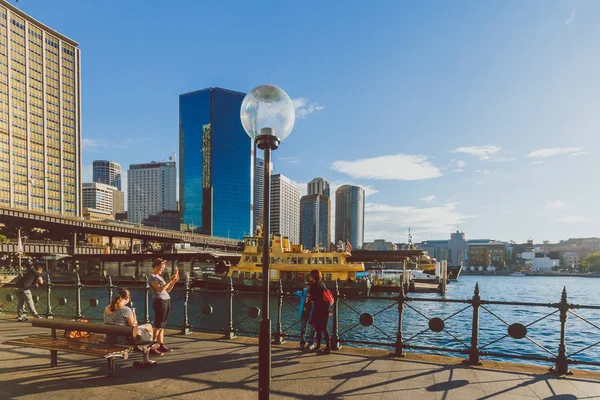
pixel 592 262
pixel 3 239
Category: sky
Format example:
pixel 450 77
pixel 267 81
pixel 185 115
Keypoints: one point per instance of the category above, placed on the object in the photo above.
pixel 469 115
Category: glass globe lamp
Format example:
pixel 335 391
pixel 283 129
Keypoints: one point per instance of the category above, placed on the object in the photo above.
pixel 267 115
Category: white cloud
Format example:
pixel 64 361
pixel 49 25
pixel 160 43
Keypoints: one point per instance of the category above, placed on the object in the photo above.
pixel 571 18
pixel 579 153
pixel 290 160
pixel 457 170
pixel 398 167
pixel 392 222
pixel 555 204
pixel 483 171
pixel 500 159
pixel 94 145
pixel 304 107
pixel 460 163
pixel 554 151
pixel 428 199
pixel 87 173
pixel 483 152
pixel 537 162
pixel 572 219
pixel 301 186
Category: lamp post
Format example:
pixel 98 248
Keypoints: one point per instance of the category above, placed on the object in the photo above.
pixel 268 117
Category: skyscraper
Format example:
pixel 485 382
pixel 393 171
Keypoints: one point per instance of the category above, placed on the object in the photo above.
pixel 107 172
pixel 216 174
pixel 315 229
pixel 40 116
pixel 151 188
pixel 350 215
pixel 99 196
pixel 285 208
pixel 259 192
pixel 318 186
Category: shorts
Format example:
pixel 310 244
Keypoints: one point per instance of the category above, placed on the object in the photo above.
pixel 162 309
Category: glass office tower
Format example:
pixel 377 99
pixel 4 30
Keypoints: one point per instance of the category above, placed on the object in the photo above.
pixel 315 211
pixel 350 215
pixel 216 164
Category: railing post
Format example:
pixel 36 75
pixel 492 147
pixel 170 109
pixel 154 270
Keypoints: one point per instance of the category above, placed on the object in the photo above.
pixel 146 305
pixel 278 336
pixel 78 287
pixel 335 331
pixel 562 362
pixel 49 314
pixel 110 289
pixel 229 332
pixel 474 350
pixel 399 339
pixel 186 328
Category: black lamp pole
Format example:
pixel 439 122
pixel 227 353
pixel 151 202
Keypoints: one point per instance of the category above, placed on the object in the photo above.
pixel 266 141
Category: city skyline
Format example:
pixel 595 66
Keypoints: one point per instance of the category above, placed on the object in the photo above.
pixel 484 119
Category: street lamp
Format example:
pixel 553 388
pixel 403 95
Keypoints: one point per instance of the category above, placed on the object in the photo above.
pixel 268 116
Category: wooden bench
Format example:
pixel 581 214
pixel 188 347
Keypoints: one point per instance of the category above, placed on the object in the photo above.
pixel 92 345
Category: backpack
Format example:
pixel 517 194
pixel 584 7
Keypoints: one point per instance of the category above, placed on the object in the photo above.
pixel 328 297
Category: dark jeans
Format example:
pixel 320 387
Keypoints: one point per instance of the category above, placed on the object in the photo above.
pixel 321 318
pixel 311 336
pixel 162 309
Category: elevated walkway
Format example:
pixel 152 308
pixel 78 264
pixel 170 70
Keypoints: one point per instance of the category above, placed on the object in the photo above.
pixel 203 366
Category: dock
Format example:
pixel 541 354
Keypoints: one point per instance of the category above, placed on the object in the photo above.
pixel 204 366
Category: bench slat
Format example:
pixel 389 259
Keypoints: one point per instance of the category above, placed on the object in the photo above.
pixel 86 346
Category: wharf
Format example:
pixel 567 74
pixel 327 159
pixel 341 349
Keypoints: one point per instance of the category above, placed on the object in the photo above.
pixel 203 366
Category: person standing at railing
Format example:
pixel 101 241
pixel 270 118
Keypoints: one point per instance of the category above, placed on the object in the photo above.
pixel 161 303
pixel 320 297
pixel 305 315
pixel 32 278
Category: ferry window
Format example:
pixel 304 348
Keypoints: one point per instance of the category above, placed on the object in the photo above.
pixel 300 260
pixel 294 260
pixel 247 259
pixel 327 260
pixel 273 260
pixel 321 260
pixel 314 260
pixel 280 260
pixel 234 274
pixel 260 275
pixel 309 260
pixel 260 244
pixel 247 274
pixel 335 260
pixel 287 260
pixel 327 277
pixel 254 275
pixel 253 259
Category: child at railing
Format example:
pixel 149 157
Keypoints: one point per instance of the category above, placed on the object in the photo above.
pixel 305 314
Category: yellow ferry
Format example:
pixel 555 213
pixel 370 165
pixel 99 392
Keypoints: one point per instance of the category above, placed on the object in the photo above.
pixel 291 264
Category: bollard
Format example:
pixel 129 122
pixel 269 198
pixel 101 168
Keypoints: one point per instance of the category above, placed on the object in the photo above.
pixel 335 333
pixel 110 288
pixel 78 287
pixel 278 335
pixel 562 362
pixel 146 306
pixel 399 339
pixel 186 328
pixel 474 350
pixel 49 314
pixel 229 332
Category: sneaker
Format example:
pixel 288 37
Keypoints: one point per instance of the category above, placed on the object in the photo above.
pixel 325 351
pixel 163 349
pixel 21 319
pixel 37 316
pixel 155 352
pixel 301 347
pixel 314 347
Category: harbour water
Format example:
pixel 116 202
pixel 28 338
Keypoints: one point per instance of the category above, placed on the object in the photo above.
pixel 543 333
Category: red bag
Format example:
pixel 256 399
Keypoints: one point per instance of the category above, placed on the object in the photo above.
pixel 328 297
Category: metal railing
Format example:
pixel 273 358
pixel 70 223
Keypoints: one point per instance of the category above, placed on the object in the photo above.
pixel 400 333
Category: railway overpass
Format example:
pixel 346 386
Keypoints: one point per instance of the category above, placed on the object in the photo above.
pixel 73 227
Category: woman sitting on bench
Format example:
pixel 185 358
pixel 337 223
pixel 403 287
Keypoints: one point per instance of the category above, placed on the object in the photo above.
pixel 117 313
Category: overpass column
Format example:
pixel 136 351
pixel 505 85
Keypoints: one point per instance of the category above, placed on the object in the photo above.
pixel 131 245
pixel 74 243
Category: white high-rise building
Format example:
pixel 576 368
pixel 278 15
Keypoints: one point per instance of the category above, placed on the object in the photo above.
pixel 151 188
pixel 285 208
pixel 98 196
pixel 259 191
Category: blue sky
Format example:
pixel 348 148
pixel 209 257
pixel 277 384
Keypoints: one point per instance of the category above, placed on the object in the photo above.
pixel 481 115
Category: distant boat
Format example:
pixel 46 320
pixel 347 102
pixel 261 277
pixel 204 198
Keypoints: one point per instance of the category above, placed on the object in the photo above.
pixel 517 274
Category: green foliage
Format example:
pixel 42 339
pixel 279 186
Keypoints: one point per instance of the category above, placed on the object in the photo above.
pixel 3 239
pixel 592 262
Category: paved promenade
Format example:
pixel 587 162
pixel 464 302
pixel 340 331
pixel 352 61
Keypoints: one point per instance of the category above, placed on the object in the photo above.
pixel 205 367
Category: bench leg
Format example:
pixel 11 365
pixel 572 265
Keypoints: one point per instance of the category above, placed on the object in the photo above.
pixel 111 366
pixel 53 358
